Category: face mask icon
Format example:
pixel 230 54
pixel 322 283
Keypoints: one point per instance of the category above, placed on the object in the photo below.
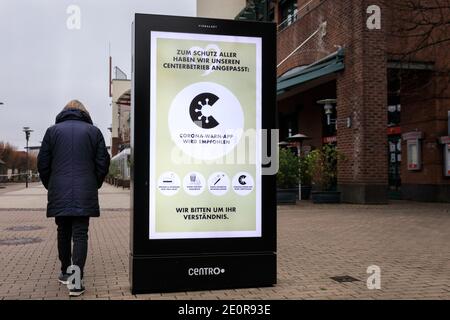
pixel 201 110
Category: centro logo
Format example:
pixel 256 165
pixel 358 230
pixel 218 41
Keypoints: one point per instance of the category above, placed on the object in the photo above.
pixel 205 271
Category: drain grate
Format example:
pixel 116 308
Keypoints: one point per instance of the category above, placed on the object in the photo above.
pixel 24 228
pixel 18 241
pixel 342 279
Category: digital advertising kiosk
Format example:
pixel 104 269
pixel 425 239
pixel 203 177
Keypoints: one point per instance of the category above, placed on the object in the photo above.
pixel 203 207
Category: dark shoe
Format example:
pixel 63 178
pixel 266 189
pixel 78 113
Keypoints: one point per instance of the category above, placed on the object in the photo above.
pixel 64 278
pixel 77 292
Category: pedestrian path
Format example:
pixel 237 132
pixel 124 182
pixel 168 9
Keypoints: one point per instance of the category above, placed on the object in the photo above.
pixel 35 197
pixel 408 242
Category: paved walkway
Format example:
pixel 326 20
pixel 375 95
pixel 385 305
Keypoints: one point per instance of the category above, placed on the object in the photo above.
pixel 8 187
pixel 408 241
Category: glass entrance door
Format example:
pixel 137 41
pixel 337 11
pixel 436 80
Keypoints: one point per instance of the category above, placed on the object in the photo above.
pixel 394 165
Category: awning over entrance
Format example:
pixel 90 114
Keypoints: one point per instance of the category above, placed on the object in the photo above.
pixel 328 65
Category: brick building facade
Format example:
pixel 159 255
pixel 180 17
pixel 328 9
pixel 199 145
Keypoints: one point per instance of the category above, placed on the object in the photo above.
pixel 386 87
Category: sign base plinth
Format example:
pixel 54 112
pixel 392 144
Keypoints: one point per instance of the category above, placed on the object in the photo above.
pixel 154 274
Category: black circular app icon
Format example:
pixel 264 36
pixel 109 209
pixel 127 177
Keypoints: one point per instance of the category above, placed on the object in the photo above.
pixel 241 180
pixel 201 110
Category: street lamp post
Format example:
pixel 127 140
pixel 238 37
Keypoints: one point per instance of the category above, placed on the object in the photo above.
pixel 299 137
pixel 27 131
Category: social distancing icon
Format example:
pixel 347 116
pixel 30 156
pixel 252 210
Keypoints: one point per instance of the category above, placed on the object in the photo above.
pixel 169 183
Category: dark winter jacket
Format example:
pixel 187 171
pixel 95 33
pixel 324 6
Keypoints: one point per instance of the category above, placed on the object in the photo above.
pixel 72 163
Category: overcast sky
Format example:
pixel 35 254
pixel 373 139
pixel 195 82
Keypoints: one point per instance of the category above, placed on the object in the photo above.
pixel 43 64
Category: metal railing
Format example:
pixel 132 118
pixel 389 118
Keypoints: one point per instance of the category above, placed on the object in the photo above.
pixel 291 18
pixel 297 14
pixel 19 177
pixel 256 10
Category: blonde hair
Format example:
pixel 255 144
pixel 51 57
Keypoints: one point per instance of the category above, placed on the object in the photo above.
pixel 76 105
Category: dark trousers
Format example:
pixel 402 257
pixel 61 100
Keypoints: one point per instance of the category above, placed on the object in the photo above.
pixel 76 229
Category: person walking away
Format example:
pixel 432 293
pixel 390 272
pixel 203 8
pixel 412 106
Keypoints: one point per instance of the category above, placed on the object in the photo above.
pixel 73 162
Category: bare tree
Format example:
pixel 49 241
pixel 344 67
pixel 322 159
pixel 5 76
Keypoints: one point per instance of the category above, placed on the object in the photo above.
pixel 425 23
pixel 8 154
pixel 15 159
pixel 419 30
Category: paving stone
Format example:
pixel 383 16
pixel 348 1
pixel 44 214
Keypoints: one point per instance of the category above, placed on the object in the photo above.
pixel 407 240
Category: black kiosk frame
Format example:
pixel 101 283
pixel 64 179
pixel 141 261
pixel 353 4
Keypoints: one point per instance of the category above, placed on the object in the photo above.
pixel 163 265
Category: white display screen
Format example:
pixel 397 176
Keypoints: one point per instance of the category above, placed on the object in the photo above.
pixel 205 136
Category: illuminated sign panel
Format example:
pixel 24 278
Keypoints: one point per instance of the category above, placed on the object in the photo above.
pixel 203 194
pixel 205 122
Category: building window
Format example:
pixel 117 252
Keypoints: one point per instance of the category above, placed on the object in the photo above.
pixel 271 14
pixel 288 11
pixel 394 105
pixel 288 124
pixel 394 112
